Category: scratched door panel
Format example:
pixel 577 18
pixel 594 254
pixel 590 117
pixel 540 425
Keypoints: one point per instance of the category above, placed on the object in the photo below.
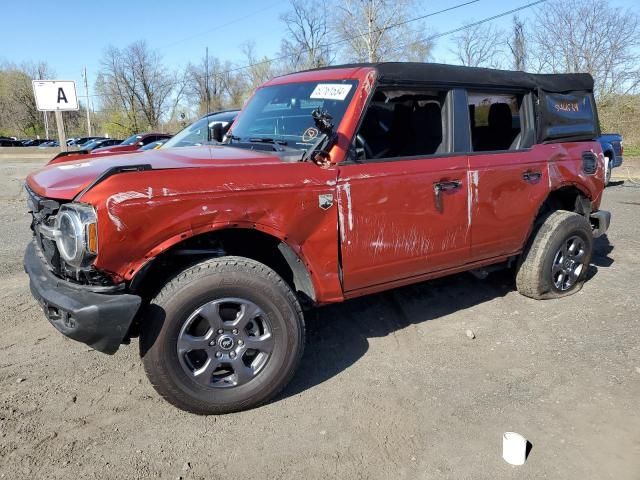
pixel 390 227
pixel 503 201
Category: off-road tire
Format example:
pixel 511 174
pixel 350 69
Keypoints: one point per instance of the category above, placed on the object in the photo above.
pixel 533 271
pixel 220 278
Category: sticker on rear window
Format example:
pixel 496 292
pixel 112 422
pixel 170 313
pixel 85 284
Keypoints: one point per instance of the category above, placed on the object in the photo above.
pixel 331 91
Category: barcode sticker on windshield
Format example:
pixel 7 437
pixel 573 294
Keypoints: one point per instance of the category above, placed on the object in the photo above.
pixel 331 91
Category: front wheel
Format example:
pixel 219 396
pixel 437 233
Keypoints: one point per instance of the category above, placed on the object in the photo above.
pixel 224 335
pixel 555 261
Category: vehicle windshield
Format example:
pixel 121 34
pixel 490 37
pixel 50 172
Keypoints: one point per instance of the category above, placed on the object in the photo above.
pixel 131 140
pixel 90 145
pixel 282 113
pixel 193 135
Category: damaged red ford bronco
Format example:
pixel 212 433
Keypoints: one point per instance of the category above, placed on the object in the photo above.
pixel 331 184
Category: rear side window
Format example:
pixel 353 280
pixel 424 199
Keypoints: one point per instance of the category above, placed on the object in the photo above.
pixel 567 116
pixel 495 121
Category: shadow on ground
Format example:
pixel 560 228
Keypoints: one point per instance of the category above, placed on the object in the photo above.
pixel 337 335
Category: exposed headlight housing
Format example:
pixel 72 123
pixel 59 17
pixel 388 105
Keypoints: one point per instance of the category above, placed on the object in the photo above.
pixel 76 234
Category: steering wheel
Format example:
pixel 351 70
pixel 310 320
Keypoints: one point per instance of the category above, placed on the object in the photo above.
pixel 365 146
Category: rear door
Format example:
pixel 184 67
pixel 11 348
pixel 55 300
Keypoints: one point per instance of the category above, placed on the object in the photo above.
pixel 403 201
pixel 508 178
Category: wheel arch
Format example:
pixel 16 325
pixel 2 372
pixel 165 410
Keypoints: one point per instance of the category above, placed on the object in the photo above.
pixel 571 197
pixel 259 243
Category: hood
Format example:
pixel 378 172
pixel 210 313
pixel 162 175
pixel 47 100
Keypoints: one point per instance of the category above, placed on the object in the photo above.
pixel 65 180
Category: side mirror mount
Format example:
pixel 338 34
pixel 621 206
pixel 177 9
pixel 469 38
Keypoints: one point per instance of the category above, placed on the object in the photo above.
pixel 217 132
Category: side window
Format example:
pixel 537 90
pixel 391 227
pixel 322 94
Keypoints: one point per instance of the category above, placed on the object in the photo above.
pixel 148 139
pixel 402 123
pixel 495 121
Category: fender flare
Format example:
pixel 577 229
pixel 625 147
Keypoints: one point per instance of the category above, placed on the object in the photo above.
pixel 304 282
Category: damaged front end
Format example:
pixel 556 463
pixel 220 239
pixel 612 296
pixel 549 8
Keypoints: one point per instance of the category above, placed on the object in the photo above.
pixel 77 299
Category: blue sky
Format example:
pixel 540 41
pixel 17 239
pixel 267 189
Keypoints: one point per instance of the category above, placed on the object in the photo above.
pixel 72 34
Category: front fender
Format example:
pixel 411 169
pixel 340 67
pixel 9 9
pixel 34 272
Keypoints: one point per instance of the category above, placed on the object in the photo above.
pixel 143 214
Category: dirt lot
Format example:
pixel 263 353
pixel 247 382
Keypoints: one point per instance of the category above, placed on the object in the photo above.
pixel 389 387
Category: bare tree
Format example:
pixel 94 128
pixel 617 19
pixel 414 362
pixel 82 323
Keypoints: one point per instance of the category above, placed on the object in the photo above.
pixel 306 44
pixel 259 69
pixel 205 91
pixel 517 45
pixel 589 36
pixel 134 82
pixel 479 45
pixel 375 30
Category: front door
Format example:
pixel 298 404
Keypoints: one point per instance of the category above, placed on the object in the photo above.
pixel 393 226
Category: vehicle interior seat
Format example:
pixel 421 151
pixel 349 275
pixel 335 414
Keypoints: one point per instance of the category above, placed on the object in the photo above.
pixel 401 130
pixel 500 129
pixel 427 130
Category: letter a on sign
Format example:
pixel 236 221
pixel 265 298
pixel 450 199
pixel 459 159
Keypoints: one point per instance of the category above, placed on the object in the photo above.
pixel 62 96
pixel 55 95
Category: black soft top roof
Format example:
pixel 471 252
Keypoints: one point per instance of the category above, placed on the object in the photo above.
pixel 441 74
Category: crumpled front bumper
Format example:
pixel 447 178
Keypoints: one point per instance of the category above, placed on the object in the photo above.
pixel 101 320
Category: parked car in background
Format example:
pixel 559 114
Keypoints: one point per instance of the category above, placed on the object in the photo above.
pixel 152 145
pixel 134 142
pixel 34 142
pixel 195 134
pixel 100 143
pixel 613 150
pixel 82 140
pixel 83 143
pixel 10 142
pixel 52 143
pixel 202 131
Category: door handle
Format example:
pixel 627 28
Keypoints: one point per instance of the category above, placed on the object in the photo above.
pixel 531 176
pixel 440 187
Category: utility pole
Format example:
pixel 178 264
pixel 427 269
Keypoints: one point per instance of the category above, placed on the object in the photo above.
pixel 61 133
pixel 206 81
pixel 46 124
pixel 86 87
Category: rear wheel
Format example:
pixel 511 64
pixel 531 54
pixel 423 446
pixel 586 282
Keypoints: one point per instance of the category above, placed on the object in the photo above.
pixel 556 260
pixel 222 336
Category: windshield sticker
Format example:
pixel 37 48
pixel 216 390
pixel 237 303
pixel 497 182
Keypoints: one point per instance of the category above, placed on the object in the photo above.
pixel 331 91
pixel 309 134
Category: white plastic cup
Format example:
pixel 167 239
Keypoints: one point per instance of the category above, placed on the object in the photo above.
pixel 514 448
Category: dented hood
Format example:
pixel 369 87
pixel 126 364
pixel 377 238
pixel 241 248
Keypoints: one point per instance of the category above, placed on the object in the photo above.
pixel 64 181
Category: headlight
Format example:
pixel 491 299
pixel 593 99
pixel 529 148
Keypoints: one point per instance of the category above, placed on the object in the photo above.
pixel 77 234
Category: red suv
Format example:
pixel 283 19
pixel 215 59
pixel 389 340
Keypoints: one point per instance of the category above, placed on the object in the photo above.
pixel 331 184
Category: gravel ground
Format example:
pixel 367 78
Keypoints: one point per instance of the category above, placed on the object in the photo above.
pixel 390 385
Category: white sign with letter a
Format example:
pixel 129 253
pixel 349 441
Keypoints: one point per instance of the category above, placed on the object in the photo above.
pixel 55 95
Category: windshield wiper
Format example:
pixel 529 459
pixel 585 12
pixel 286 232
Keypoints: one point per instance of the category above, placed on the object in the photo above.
pixel 230 138
pixel 268 140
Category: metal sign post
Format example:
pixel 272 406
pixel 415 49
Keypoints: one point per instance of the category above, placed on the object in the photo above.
pixel 56 96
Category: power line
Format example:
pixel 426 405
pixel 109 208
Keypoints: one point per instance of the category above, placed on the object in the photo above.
pixel 345 40
pixel 431 37
pixel 220 26
pixel 330 44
